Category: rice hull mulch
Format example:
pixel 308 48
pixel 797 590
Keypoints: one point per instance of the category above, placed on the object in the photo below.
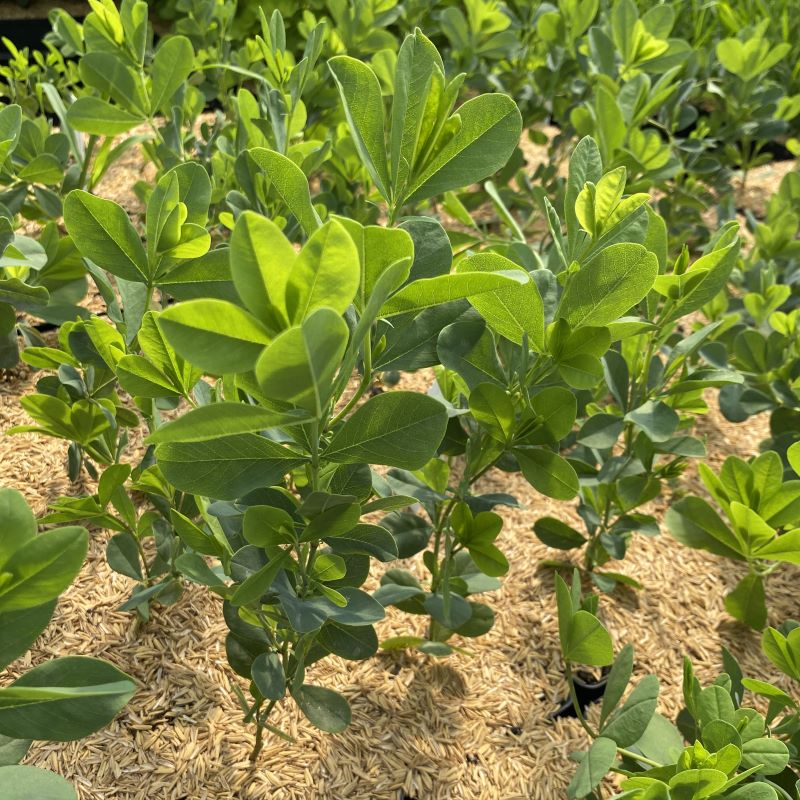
pixel 463 728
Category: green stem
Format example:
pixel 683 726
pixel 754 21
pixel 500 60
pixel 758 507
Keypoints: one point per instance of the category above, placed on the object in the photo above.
pixel 366 380
pixel 575 704
pixel 90 146
pixel 638 757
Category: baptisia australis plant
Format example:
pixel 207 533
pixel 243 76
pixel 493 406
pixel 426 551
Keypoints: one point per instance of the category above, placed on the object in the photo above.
pixel 640 400
pixel 284 447
pixel 762 528
pixel 718 747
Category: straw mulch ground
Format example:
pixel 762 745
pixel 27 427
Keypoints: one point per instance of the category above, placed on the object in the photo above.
pixel 464 728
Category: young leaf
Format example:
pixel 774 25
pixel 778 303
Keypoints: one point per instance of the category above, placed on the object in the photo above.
pixel 326 273
pixel 261 260
pixel 172 65
pixel 489 130
pixel 299 365
pixel 361 97
pixel 588 641
pixel 215 335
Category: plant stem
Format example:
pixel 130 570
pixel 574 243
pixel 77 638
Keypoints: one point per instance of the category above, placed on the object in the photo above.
pixel 637 757
pixel 575 704
pixel 90 146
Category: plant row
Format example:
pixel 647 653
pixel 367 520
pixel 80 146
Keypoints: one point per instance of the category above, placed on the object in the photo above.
pixel 313 239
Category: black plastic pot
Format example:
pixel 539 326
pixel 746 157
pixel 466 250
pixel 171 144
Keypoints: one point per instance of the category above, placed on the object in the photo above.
pixel 588 688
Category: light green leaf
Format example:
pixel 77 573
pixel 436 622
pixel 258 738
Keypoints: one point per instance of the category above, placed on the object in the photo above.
pixel 299 365
pixel 428 292
pixel 23 782
pixel 103 233
pixel 172 65
pixel 99 118
pixel 42 568
pixel 215 335
pixel 326 273
pixel 361 96
pixel 291 185
pixel 512 311
pixel 261 262
pixel 609 286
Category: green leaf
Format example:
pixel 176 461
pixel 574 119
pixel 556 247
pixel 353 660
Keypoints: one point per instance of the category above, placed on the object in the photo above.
pixel 291 185
pixel 555 533
pixel 628 724
pixel 325 709
pixel 588 642
pixel 419 68
pixel 18 522
pixel 261 261
pixel 493 409
pixel 215 335
pixel 656 419
pixel 346 641
pixel 594 766
pixel 488 131
pixel 548 472
pixel 172 65
pixel 99 118
pixel 64 699
pixel 21 629
pixel 227 467
pixel 397 429
pixel 12 751
pixel 618 680
pixel 325 274
pixel 299 365
pixel 771 753
pixel 25 782
pixel 362 99
pixel 601 431
pixel 428 292
pixel 223 419
pixel 267 673
pixel 122 554
pixel 747 602
pixel 513 311
pixel 693 522
pixel 608 286
pixel 103 233
pixel 42 568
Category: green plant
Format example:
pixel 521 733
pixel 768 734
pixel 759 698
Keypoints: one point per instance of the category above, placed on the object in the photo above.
pixel 63 699
pixel 762 511
pixel 428 148
pixel 636 432
pixel 731 753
